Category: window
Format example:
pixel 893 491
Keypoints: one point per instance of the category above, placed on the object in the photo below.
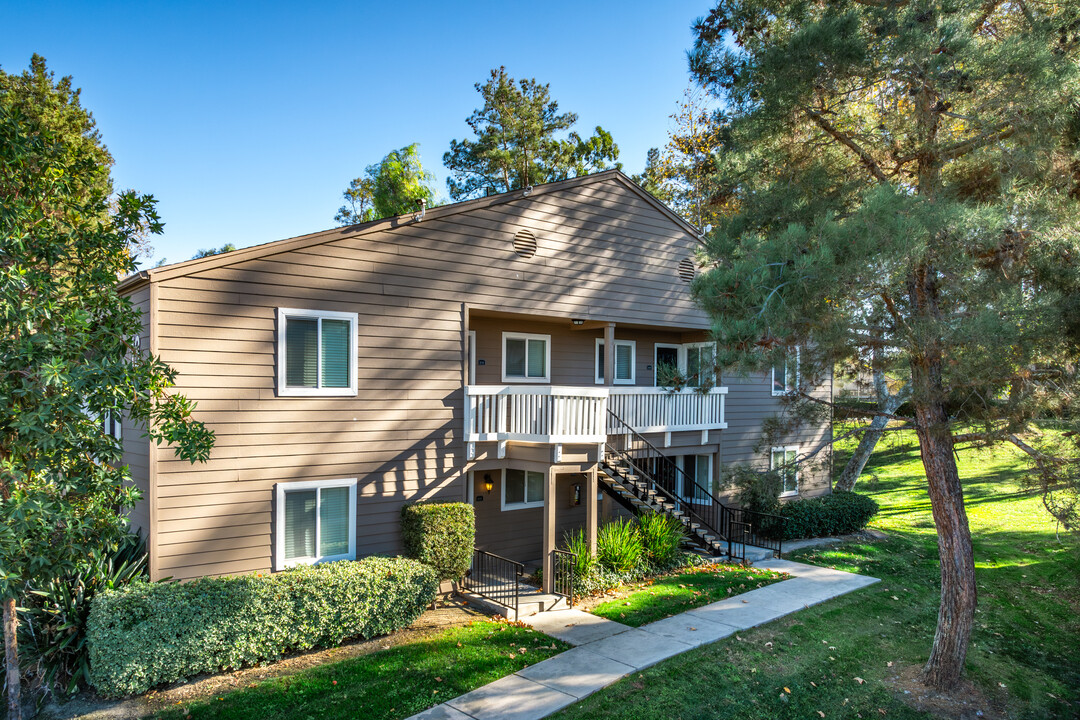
pixel 783 459
pixel 316 352
pixel 522 489
pixel 111 424
pixel 700 364
pixel 697 478
pixel 526 358
pixel 785 375
pixel 666 362
pixel 625 357
pixel 316 522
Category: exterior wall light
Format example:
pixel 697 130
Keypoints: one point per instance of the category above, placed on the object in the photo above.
pixel 488 484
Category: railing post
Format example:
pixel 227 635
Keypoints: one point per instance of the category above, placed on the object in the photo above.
pixel 500 423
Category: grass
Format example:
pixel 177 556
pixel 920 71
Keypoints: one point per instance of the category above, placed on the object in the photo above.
pixel 658 598
pixel 835 660
pixel 393 683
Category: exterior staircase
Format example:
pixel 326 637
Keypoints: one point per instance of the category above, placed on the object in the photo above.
pixel 638 495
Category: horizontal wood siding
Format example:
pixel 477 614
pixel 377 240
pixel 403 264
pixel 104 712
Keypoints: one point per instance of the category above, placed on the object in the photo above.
pixel 603 253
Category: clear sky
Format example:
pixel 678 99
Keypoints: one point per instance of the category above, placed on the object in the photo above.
pixel 247 120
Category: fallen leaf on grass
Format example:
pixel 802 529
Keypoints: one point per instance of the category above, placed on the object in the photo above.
pixel 859 680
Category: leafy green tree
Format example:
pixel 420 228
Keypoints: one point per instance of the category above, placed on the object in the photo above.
pixel 56 105
pixel 204 253
pixel 520 142
pixel 392 186
pixel 651 178
pixel 69 356
pixel 905 180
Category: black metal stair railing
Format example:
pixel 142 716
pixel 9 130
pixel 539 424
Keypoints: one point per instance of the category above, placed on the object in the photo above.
pixel 563 563
pixel 495 578
pixel 664 476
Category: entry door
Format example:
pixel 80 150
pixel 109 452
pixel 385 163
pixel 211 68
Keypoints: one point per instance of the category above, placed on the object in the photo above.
pixel 665 355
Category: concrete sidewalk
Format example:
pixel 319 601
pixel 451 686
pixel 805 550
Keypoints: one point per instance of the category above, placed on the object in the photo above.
pixel 606 651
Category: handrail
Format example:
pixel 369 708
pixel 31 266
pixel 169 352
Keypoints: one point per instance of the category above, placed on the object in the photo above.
pixel 496 578
pixel 562 574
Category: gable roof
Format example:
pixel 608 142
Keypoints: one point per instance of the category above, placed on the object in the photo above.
pixel 256 251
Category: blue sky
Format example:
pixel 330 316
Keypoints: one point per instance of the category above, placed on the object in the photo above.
pixel 247 120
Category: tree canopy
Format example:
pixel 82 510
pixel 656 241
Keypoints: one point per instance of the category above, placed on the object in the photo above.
pixel 521 139
pixel 392 186
pixel 70 355
pixel 902 183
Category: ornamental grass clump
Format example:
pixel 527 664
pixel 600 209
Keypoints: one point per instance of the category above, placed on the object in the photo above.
pixel 661 539
pixel 619 548
pixel 148 634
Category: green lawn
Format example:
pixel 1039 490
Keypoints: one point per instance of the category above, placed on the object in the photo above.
pixel 662 597
pixel 394 683
pixel 1025 651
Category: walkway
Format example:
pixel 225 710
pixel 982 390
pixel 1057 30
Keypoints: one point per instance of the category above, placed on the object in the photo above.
pixel 607 651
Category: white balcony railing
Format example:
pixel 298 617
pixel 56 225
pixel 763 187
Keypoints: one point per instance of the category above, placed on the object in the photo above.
pixel 559 414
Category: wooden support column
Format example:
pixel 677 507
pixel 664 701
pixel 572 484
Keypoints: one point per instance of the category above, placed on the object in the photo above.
pixel 549 530
pixel 609 354
pixel 591 489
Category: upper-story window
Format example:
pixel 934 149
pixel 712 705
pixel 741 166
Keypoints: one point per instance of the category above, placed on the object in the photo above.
pixel 316 352
pixel 526 358
pixel 785 374
pixel 625 359
pixel 785 459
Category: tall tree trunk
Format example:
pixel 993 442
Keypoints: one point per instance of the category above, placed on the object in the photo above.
pixel 958 591
pixel 11 659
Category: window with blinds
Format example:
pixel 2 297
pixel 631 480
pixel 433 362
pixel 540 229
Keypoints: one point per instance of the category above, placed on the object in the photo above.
pixel 316 352
pixel 625 357
pixel 526 358
pixel 784 460
pixel 700 365
pixel 316 522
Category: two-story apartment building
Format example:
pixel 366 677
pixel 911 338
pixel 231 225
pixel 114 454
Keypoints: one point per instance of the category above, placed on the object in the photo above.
pixel 493 351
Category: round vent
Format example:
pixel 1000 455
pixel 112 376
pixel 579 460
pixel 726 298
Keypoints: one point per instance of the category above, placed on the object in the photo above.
pixel 525 244
pixel 687 270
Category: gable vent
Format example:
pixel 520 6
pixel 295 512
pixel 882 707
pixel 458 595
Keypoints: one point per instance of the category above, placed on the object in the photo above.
pixel 525 244
pixel 687 270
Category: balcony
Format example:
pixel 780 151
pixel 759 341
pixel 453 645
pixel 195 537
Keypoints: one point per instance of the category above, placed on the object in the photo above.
pixel 553 414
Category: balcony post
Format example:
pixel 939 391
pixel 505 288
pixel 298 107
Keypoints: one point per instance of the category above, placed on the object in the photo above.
pixel 592 488
pixel 549 531
pixel 609 354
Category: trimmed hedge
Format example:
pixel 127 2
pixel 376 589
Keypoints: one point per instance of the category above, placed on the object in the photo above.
pixel 441 535
pixel 837 514
pixel 148 634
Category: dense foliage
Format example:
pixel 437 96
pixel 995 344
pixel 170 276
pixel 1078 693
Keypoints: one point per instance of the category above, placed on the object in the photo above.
pixel 840 513
pixel 521 140
pixel 903 186
pixel 662 538
pixel 147 634
pixel 441 535
pixel 619 547
pixel 393 186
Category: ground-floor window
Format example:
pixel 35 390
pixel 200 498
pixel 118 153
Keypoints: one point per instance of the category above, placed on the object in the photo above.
pixel 316 522
pixel 522 489
pixel 697 478
pixel 783 459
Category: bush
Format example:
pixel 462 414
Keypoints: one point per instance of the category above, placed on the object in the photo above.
pixel 837 514
pixel 756 490
pixel 52 619
pixel 441 535
pixel 147 634
pixel 661 539
pixel 618 547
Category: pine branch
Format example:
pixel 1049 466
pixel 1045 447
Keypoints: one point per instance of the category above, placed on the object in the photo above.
pixel 844 139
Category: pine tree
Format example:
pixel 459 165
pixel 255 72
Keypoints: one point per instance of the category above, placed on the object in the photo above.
pixel 521 140
pixel 905 177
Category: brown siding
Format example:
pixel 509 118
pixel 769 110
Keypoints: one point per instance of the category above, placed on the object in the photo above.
pixel 604 253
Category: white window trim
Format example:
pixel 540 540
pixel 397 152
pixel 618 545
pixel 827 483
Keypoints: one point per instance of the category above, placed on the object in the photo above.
pixel 519 506
pixel 680 362
pixel 786 449
pixel 283 390
pixel 113 425
pixel 471 379
pixel 707 485
pixel 547 359
pixel 787 389
pixel 633 361
pixel 280 563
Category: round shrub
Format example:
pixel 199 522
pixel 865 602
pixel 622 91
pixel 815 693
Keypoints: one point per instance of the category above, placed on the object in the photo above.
pixel 849 511
pixel 146 634
pixel 618 547
pixel 837 514
pixel 441 535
